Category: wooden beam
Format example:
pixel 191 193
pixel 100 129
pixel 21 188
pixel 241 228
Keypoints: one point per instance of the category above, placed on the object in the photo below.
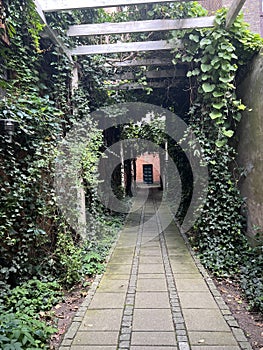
pixel 233 11
pixel 122 47
pixel 140 26
pixel 154 74
pixel 137 86
pixel 60 5
pixel 50 32
pixel 140 62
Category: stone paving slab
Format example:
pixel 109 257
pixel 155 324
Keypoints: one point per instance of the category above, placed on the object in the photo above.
pixel 152 348
pixel 212 338
pixel 153 339
pixel 151 260
pixel 102 320
pixel 113 277
pixel 151 285
pixel 108 300
pixel 151 268
pixel 147 276
pixel 118 269
pixel 154 300
pixel 198 300
pixel 90 347
pixel 113 285
pixel 190 285
pixel 152 320
pixel 96 338
pixel 204 319
pixel 210 347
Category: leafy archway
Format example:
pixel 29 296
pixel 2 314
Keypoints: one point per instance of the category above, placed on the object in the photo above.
pixel 36 79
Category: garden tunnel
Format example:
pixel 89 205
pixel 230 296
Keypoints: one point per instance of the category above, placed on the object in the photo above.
pixel 145 69
pixel 166 85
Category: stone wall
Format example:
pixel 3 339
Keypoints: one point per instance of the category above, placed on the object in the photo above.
pixel 250 146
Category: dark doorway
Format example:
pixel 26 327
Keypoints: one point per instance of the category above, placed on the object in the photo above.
pixel 148 173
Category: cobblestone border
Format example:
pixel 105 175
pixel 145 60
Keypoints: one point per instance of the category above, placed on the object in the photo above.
pixel 229 318
pixel 124 340
pixel 177 314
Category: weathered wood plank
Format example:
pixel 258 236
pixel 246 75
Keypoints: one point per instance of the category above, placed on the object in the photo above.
pixel 140 26
pixel 140 62
pixel 154 74
pixel 60 5
pixel 122 47
pixel 137 86
pixel 233 11
pixel 51 34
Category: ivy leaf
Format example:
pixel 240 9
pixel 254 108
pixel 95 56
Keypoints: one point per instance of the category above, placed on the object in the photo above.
pixel 241 107
pixel 218 105
pixel 215 115
pixel 205 67
pixel 194 38
pixel 220 143
pixel 205 42
pixel 208 87
pixel 218 93
pixel 237 117
pixel 228 133
pixel 226 79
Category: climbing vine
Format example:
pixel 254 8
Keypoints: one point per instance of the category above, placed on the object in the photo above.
pixel 216 57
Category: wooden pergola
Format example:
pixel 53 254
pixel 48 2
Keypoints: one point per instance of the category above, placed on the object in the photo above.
pixel 159 25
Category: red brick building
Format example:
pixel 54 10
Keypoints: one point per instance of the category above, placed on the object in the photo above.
pixel 148 168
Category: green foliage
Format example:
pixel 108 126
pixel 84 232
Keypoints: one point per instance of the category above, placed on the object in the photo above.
pixel 251 278
pixel 19 331
pixel 32 297
pixel 75 261
pixel 215 57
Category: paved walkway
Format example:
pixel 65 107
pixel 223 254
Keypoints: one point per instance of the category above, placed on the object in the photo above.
pixel 154 295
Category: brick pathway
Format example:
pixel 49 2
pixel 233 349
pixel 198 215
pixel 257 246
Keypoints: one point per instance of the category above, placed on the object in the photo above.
pixel 154 294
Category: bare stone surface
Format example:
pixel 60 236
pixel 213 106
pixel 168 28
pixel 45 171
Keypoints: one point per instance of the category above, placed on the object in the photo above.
pixel 96 338
pixel 153 338
pixel 154 300
pixel 191 284
pixel 212 338
pixel 102 320
pixel 205 320
pixel 113 285
pixel 197 300
pixel 152 320
pixel 151 285
pixel 107 301
pixel 151 268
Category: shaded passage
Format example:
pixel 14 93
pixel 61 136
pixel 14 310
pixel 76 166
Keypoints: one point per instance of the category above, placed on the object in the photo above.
pixel 153 295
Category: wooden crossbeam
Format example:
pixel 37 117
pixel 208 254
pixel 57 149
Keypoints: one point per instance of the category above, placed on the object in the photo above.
pixel 138 86
pixel 122 47
pixel 140 26
pixel 50 32
pixel 233 11
pixel 140 62
pixel 60 5
pixel 154 74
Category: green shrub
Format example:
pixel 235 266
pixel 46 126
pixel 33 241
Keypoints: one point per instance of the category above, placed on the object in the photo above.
pixel 33 296
pixel 22 332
